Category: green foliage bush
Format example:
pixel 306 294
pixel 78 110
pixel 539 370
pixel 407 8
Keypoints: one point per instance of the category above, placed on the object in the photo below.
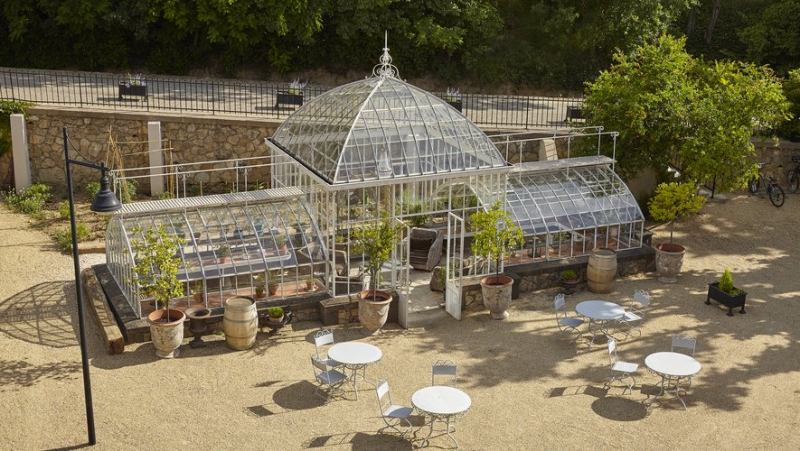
pixel 156 270
pixel 569 274
pixel 275 312
pixel 673 201
pixel 92 189
pixel 495 234
pixel 376 242
pixel 64 237
pixel 63 210
pixel 726 282
pixel 29 200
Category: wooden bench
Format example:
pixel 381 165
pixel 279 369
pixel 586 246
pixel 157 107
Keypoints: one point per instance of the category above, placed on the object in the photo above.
pixel 574 113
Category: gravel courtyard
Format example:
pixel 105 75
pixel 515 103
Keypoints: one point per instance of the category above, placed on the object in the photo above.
pixel 529 389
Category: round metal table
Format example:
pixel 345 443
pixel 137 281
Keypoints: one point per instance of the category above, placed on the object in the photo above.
pixel 443 404
pixel 671 365
pixel 355 356
pixel 599 313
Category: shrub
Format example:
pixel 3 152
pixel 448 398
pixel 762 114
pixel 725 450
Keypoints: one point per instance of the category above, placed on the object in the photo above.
pixel 673 201
pixel 64 237
pixel 29 200
pixel 275 312
pixel 92 189
pixel 726 282
pixel 63 210
pixel 568 274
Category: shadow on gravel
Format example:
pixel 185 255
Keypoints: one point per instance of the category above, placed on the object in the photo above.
pixel 40 315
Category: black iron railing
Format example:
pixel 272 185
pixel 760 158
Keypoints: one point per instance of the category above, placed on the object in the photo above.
pixel 247 98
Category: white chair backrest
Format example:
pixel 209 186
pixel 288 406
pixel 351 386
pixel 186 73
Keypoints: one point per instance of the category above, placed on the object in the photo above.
pixel 558 302
pixel 444 368
pixel 642 297
pixel 382 390
pixel 612 351
pixel 684 342
pixel 322 338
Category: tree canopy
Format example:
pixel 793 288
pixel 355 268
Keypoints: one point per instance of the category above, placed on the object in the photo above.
pixel 672 108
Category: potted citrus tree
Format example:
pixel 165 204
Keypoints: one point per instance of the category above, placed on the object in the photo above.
pixel 726 294
pixel 495 235
pixel 375 242
pixel 672 201
pixel 156 274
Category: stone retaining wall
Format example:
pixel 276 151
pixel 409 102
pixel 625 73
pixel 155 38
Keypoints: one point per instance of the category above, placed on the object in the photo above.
pixel 192 139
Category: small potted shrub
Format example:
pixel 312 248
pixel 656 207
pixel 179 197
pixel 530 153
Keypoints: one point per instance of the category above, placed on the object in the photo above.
pixel 273 283
pixel 569 280
pixel 275 314
pixel 260 291
pixel 672 201
pixel 376 242
pixel 198 291
pixel 726 294
pixel 156 274
pixel 223 254
pixel 495 235
pixel 310 283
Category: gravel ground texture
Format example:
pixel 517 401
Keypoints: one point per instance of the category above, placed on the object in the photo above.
pixel 529 389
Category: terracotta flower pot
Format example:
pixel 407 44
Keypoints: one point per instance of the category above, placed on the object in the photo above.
pixel 496 292
pixel 373 310
pixel 167 334
pixel 669 259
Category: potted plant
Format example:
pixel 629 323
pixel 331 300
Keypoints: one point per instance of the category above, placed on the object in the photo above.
pixel 133 85
pixel 376 243
pixel 156 274
pixel 280 244
pixel 198 291
pixel 453 97
pixel 293 96
pixel 726 294
pixel 310 283
pixel 275 314
pixel 569 280
pixel 273 282
pixel 672 201
pixel 495 234
pixel 223 254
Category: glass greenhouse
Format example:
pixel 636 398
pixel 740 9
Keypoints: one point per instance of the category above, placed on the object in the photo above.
pixel 373 148
pixel 241 243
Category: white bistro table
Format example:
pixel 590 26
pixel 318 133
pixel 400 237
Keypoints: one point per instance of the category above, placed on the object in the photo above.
pixel 599 313
pixel 443 404
pixel 671 365
pixel 355 356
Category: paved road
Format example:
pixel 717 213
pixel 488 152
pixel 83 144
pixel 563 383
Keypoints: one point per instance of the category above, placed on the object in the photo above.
pixel 241 98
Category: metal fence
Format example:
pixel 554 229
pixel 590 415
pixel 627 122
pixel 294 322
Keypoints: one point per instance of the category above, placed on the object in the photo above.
pixel 246 98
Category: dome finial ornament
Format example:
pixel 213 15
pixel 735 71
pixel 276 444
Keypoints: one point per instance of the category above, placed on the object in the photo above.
pixel 385 69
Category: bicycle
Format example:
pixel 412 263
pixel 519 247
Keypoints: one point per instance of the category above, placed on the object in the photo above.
pixel 793 176
pixel 774 191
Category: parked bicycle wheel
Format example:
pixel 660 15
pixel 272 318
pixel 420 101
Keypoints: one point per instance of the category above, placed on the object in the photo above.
pixel 794 181
pixel 753 185
pixel 776 195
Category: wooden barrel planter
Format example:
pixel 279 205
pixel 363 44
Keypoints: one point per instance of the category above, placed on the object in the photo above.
pixel 601 271
pixel 240 322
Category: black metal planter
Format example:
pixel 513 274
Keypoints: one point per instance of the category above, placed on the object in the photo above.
pixel 285 98
pixel 730 301
pixel 457 104
pixel 132 90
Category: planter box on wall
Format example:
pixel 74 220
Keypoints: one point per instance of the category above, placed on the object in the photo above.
pixel 730 301
pixel 457 104
pixel 132 90
pixel 285 98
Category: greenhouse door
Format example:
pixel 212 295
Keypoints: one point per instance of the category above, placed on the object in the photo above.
pixel 455 255
pixel 404 282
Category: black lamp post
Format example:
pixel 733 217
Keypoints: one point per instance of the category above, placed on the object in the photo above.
pixel 104 202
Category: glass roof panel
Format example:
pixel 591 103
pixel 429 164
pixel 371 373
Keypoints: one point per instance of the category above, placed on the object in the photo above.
pixel 383 128
pixel 570 199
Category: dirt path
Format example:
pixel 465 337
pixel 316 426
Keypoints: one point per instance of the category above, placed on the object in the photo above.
pixel 529 390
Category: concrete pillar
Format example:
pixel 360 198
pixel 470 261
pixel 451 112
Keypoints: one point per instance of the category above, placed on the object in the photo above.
pixel 19 149
pixel 156 158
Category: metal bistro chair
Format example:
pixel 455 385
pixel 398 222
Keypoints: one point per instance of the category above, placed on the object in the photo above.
pixel 444 368
pixel 327 377
pixel 323 338
pixel 686 345
pixel 634 317
pixel 566 325
pixel 620 370
pixel 393 415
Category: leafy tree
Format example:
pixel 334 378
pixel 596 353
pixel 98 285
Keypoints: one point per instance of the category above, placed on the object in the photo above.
pixel 376 241
pixel 673 201
pixel 773 36
pixel 156 270
pixel 495 234
pixel 670 108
